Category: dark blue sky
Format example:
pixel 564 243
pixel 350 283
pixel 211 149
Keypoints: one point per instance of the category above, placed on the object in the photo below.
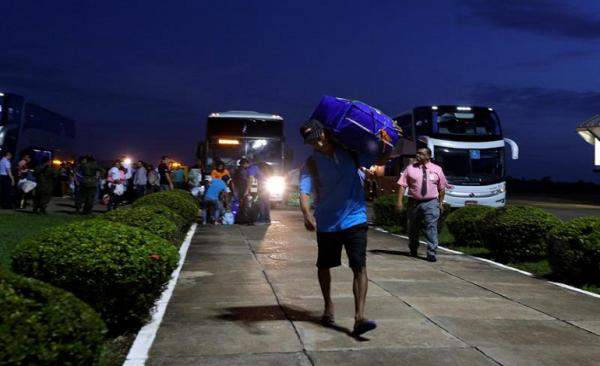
pixel 141 76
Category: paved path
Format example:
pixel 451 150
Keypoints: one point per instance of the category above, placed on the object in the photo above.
pixel 249 296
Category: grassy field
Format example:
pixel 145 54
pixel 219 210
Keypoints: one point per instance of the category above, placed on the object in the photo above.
pixel 16 226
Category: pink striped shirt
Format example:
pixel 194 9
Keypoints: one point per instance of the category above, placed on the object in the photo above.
pixel 412 177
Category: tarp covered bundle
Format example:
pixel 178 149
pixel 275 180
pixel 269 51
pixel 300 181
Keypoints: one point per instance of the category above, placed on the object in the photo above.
pixel 358 126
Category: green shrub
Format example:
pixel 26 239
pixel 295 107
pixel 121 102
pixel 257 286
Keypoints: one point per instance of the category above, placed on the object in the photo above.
pixel 386 214
pixel 517 233
pixel 44 325
pixel 185 194
pixel 145 217
pixel 175 201
pixel 118 269
pixel 466 223
pixel 574 250
pixel 164 211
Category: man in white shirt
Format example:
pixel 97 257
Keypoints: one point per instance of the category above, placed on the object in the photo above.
pixel 140 179
pixel 7 181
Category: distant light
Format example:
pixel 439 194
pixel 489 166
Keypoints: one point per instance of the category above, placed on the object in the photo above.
pixel 434 107
pixel 56 162
pixel 1 94
pixel 228 142
pixel 491 109
pixel 214 115
pixel 257 144
pixel 127 161
pixel 463 108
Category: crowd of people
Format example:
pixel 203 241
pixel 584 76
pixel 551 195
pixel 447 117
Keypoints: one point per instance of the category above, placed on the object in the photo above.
pixel 225 197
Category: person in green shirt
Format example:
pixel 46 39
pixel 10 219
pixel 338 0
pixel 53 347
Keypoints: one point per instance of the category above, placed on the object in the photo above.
pixel 90 171
pixel 45 177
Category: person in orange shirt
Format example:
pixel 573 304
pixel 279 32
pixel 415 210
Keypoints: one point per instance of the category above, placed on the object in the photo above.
pixel 219 171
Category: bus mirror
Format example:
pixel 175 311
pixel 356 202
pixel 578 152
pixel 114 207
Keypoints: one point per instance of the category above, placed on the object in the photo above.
pixel 513 147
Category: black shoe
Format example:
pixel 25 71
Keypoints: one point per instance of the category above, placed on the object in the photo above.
pixel 431 258
pixel 413 253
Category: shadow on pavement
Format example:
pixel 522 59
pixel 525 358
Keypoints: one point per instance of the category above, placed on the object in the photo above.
pixel 251 314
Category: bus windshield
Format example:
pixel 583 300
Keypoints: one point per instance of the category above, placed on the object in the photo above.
pixel 229 150
pixel 454 122
pixel 471 166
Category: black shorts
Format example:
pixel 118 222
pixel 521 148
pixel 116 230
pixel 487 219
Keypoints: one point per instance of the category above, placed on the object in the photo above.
pixel 354 239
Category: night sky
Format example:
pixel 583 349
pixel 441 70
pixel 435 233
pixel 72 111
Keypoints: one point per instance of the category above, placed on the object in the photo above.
pixel 140 77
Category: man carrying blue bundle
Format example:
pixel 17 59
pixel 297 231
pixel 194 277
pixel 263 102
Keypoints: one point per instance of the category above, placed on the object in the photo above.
pixel 331 176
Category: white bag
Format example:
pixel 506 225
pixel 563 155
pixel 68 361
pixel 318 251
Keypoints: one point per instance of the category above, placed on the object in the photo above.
pixel 119 189
pixel 228 218
pixel 26 185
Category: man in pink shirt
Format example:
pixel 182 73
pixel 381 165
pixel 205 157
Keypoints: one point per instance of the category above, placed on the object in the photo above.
pixel 426 185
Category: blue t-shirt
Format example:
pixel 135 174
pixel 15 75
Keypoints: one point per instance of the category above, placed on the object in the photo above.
pixel 214 189
pixel 341 202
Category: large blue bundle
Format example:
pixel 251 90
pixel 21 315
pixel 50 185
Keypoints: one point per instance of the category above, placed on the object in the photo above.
pixel 358 126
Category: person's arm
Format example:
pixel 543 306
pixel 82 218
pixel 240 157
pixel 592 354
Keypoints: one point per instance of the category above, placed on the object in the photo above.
pixel 400 203
pixel 168 175
pixel 402 185
pixel 442 185
pixel 305 188
pixel 310 223
pixel 12 178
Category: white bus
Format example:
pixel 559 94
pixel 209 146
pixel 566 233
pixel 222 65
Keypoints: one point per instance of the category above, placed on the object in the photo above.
pixel 467 142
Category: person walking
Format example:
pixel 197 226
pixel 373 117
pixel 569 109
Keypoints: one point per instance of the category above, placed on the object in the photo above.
pixel 164 174
pixel 45 177
pixel 88 187
pixel 153 179
pixel 7 181
pixel 140 180
pixel 426 184
pixel 330 176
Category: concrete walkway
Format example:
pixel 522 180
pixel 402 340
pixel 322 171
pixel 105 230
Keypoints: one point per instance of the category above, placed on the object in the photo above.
pixel 249 296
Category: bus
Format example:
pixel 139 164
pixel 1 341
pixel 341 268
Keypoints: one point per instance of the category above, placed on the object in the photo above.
pixel 258 137
pixel 467 142
pixel 27 128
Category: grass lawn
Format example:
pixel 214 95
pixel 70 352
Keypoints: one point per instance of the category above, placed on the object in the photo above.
pixel 16 226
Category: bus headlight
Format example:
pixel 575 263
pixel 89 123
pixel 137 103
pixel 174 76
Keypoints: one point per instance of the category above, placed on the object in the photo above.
pixel 275 185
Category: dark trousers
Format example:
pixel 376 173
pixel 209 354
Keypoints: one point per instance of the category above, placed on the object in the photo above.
pixel 41 199
pixel 87 196
pixel 5 192
pixel 140 191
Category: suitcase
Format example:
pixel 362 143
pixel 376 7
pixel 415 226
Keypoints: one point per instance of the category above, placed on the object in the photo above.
pixel 358 126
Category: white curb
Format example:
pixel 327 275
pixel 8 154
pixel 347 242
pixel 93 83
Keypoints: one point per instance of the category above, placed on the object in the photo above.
pixel 138 353
pixel 568 287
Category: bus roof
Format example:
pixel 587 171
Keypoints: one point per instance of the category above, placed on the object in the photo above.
pixel 246 115
pixel 460 107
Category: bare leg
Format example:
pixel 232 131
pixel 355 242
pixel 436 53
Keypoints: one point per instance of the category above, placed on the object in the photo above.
pixel 325 282
pixel 359 287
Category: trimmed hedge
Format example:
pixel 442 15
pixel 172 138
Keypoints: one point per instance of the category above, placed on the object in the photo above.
pixel 162 210
pixel 465 225
pixel 177 202
pixel 145 217
pixel 118 269
pixel 44 325
pixel 386 214
pixel 517 233
pixel 185 194
pixel 574 250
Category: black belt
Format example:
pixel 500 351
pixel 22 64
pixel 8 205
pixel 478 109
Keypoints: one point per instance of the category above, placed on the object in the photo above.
pixel 410 199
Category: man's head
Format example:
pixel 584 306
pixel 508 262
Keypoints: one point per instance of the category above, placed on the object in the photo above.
pixel 165 159
pixel 27 158
pixel 423 155
pixel 220 166
pixel 7 154
pixel 315 135
pixel 244 163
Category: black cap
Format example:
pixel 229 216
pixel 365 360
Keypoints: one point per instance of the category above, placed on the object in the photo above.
pixel 311 130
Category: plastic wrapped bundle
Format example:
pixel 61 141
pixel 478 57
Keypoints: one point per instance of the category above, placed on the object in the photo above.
pixel 358 126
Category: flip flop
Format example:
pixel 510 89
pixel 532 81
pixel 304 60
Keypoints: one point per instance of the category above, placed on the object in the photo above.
pixel 363 327
pixel 327 320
